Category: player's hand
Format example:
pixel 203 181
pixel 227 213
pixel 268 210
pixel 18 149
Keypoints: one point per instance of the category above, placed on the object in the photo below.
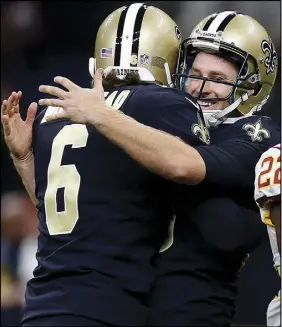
pixel 17 132
pixel 81 105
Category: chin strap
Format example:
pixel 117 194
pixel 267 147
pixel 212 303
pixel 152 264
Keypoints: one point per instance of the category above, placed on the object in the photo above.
pixel 258 107
pixel 168 75
pixel 213 119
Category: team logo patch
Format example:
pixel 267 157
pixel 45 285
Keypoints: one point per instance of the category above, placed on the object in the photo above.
pixel 106 53
pixel 256 131
pixel 144 59
pixel 200 130
pixel 271 60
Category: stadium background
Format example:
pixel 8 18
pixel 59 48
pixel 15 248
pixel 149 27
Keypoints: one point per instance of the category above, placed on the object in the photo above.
pixel 42 39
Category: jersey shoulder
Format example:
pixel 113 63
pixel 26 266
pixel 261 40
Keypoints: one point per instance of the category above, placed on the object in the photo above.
pixel 155 96
pixel 268 176
pixel 166 96
pixel 274 151
pixel 43 114
pixel 48 128
pixel 268 182
pixel 257 129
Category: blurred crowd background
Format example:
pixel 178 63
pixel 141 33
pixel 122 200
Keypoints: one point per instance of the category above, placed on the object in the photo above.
pixel 40 40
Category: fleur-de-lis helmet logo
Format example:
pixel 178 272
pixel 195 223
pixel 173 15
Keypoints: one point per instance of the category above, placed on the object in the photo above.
pixel 271 60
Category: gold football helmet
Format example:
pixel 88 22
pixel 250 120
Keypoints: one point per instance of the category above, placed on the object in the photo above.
pixel 137 38
pixel 242 40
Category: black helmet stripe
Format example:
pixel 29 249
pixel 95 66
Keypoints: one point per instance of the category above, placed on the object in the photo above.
pixel 119 36
pixel 136 31
pixel 209 21
pixel 225 22
pixel 128 32
pixel 220 21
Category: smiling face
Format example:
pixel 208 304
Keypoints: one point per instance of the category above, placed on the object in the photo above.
pixel 211 66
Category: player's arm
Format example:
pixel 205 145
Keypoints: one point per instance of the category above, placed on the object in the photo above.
pixel 275 216
pixel 172 158
pixel 25 168
pixel 154 148
pixel 160 152
pixel 230 163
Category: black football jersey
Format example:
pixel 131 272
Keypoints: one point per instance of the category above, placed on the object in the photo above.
pixel 230 165
pixel 217 223
pixel 101 215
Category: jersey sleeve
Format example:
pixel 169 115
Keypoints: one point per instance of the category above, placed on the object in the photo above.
pixel 232 161
pixel 169 110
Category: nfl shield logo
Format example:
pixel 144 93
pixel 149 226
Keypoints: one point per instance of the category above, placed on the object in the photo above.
pixel 144 59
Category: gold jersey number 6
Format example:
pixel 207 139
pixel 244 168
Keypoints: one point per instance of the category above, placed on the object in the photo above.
pixel 67 176
pixel 63 176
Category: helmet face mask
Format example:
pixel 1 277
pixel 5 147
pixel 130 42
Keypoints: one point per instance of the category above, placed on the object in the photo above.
pixel 245 80
pixel 251 52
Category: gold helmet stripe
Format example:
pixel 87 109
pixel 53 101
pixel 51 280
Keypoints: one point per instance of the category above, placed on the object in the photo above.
pixel 219 19
pixel 127 35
